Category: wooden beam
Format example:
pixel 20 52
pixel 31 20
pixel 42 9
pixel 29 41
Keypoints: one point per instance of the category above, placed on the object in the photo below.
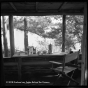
pixel 11 30
pixel 84 48
pixel 82 9
pixel 2 67
pixel 61 6
pixel 12 5
pixel 36 6
pixel 40 13
pixel 63 33
pixel 86 69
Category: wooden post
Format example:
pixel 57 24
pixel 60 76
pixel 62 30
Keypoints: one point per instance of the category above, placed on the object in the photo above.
pixel 86 69
pixel 84 48
pixel 11 30
pixel 2 68
pixel 5 39
pixel 63 34
pixel 25 35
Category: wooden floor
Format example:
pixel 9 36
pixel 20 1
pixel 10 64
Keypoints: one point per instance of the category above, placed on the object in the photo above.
pixel 36 81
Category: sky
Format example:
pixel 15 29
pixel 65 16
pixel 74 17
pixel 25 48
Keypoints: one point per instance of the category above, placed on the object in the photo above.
pixel 33 41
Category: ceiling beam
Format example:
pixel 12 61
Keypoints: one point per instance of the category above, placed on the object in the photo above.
pixel 12 5
pixel 82 9
pixel 40 13
pixel 61 5
pixel 72 11
pixel 36 6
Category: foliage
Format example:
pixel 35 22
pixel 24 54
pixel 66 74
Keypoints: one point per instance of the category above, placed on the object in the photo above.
pixel 74 25
pixel 40 24
pixel 46 27
pixel 74 28
pixel 37 25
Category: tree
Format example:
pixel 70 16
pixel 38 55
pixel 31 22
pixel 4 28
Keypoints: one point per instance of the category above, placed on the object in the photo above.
pixel 37 25
pixel 40 24
pixel 25 35
pixel 74 28
pixel 18 22
pixel 4 37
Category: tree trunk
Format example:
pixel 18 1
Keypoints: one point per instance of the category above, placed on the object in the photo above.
pixel 63 33
pixel 25 35
pixel 5 39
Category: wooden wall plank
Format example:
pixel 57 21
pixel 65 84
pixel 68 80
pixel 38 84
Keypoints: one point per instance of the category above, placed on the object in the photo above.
pixel 19 68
